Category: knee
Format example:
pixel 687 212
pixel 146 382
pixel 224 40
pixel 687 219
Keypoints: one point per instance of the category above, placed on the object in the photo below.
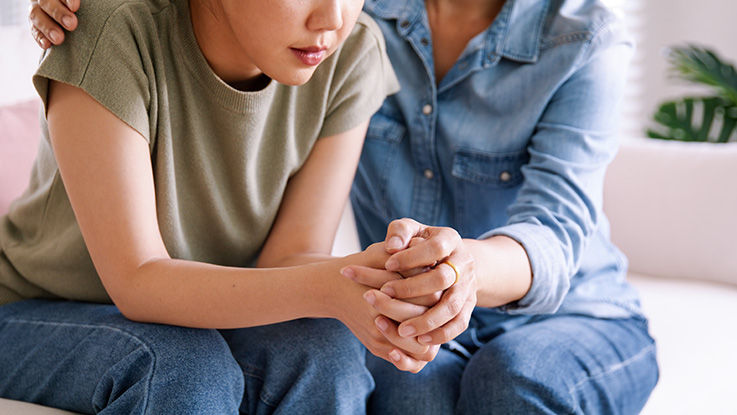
pixel 503 379
pixel 166 368
pixel 326 345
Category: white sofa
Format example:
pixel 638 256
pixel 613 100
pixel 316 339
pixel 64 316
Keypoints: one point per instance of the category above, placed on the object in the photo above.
pixel 673 209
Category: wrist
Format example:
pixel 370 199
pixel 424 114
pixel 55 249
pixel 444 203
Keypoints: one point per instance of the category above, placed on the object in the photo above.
pixel 503 270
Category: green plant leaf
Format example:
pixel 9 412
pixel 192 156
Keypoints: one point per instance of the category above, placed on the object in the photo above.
pixel 711 119
pixel 701 65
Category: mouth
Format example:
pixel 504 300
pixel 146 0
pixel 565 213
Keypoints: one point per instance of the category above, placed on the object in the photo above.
pixel 311 55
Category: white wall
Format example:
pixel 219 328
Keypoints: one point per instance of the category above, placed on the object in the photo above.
pixel 18 52
pixel 665 23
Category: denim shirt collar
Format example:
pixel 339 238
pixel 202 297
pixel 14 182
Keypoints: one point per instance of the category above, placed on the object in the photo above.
pixel 521 20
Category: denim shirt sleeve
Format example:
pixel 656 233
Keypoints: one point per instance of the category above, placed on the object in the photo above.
pixel 558 207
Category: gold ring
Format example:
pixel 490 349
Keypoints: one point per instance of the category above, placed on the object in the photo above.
pixel 454 270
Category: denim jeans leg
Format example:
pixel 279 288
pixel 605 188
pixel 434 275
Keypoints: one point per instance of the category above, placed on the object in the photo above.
pixel 305 366
pixel 562 365
pixel 434 390
pixel 88 358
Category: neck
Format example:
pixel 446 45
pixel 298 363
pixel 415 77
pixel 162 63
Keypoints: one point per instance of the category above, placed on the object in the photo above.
pixel 221 48
pixel 465 9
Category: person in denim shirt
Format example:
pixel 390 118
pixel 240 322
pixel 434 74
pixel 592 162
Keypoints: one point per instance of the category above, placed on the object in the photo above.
pixel 484 175
pixel 496 147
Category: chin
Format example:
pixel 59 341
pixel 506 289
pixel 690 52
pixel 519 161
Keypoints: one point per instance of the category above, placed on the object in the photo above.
pixel 295 78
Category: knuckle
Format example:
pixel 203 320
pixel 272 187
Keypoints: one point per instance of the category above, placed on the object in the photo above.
pixel 445 275
pixel 437 245
pixel 447 333
pixel 430 322
pixel 454 305
pixel 435 297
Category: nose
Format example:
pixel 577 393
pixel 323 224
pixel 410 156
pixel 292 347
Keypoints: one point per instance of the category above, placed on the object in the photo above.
pixel 327 16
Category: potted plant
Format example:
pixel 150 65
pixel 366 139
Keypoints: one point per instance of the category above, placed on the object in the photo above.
pixel 711 118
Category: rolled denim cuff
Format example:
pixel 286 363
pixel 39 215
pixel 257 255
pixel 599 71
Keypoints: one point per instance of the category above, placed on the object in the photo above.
pixel 550 282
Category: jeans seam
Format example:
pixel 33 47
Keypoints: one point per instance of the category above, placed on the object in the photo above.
pixel 106 327
pixel 263 395
pixel 614 368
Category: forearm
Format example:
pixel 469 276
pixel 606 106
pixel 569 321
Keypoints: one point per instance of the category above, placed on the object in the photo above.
pixel 503 271
pixel 194 294
pixel 293 260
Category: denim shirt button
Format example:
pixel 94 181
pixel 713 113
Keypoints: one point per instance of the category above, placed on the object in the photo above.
pixel 404 24
pixel 505 176
pixel 427 109
pixel 429 174
pixel 424 41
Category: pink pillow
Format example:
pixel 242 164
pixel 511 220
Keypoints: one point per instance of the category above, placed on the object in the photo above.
pixel 19 135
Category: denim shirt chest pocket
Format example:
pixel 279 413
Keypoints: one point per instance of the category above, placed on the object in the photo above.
pixel 485 184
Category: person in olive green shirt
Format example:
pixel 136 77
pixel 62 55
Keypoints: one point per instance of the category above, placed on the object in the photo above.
pixel 185 144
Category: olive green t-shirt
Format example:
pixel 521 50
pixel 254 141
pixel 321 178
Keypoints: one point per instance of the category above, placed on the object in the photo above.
pixel 221 157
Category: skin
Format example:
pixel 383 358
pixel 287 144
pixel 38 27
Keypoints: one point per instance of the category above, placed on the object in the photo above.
pixel 142 279
pixel 434 308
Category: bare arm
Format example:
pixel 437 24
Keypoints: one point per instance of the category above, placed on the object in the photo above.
pixel 105 166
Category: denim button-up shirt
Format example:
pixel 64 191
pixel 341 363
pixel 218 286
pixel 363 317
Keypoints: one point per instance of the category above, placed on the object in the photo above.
pixel 514 141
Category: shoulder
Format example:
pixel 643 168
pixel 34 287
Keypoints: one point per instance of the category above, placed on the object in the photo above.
pixel 363 51
pixel 584 21
pixel 366 36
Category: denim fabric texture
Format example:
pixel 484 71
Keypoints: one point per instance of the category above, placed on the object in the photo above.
pixel 514 141
pixel 88 358
pixel 547 364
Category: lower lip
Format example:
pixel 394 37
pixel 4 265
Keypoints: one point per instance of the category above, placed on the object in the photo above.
pixel 309 58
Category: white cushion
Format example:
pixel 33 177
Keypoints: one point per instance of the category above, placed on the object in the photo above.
pixel 8 406
pixel 673 208
pixel 693 324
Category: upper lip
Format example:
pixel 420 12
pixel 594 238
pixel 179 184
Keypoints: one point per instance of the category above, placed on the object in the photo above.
pixel 312 49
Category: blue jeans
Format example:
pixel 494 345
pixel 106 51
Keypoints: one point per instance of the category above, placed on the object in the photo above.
pixel 551 364
pixel 88 358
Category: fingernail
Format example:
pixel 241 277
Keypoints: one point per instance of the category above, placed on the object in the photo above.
pixel 347 272
pixel 69 4
pixel 394 355
pixel 67 22
pixel 391 265
pixel 406 331
pixel 425 339
pixel 54 35
pixel 394 242
pixel 381 323
pixel 369 297
pixel 388 291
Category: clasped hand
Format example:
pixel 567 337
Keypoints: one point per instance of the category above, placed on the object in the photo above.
pixel 419 302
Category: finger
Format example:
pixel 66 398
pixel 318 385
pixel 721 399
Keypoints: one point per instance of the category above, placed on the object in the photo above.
pixel 399 233
pixel 426 300
pixel 60 12
pixel 405 363
pixel 45 25
pixel 409 345
pixel 367 276
pixel 445 310
pixel 440 278
pixel 397 310
pixel 40 38
pixel 451 330
pixel 438 244
pixel 72 5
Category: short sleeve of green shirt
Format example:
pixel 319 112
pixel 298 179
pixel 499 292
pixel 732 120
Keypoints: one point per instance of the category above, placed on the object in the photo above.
pixel 108 60
pixel 363 77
